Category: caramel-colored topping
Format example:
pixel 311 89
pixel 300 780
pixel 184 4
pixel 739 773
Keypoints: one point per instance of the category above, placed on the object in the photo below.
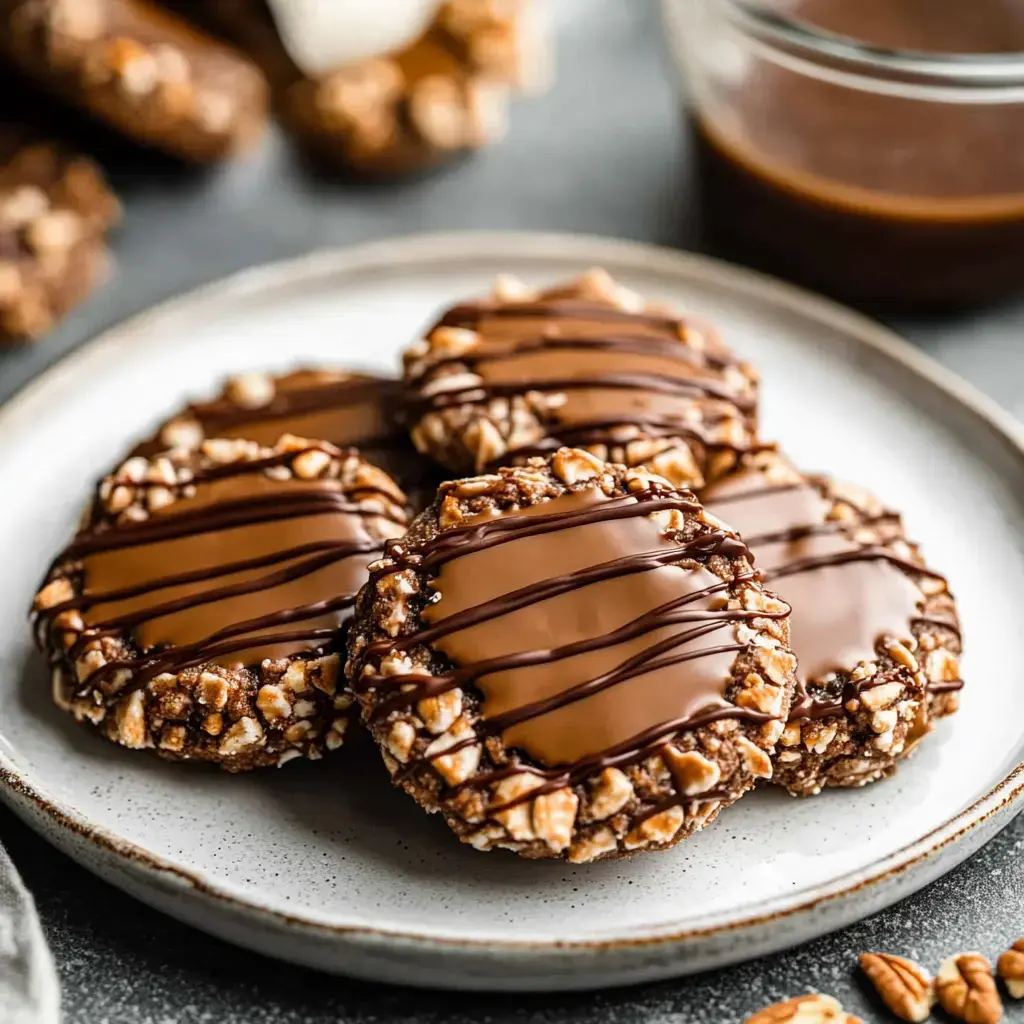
pixel 615 368
pixel 845 595
pixel 353 410
pixel 247 568
pixel 603 609
pixel 345 409
pixel 588 640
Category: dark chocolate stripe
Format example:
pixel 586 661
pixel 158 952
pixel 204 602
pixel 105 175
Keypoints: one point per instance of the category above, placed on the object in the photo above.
pixel 620 756
pixel 266 508
pixel 223 414
pixel 430 686
pixel 695 387
pixel 470 314
pixel 537 592
pixel 407 690
pixel 806 704
pixel 464 540
pixel 89 598
pixel 636 344
pixel 109 627
pixel 860 554
pixel 696 377
pixel 305 500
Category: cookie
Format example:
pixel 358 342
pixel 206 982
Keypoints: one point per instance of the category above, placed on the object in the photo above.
pixel 875 631
pixel 55 210
pixel 143 71
pixel 588 364
pixel 347 409
pixel 444 93
pixel 200 609
pixel 568 660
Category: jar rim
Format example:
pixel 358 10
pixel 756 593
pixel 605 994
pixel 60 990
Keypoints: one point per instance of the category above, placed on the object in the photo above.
pixel 803 40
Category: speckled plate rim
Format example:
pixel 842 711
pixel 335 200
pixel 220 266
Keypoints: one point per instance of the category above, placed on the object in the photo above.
pixel 411 956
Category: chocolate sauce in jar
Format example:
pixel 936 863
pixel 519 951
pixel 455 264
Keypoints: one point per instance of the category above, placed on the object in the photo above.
pixel 888 197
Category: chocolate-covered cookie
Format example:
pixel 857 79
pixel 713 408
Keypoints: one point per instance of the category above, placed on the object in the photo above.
pixel 587 363
pixel 568 659
pixel 140 69
pixel 199 610
pixel 875 631
pixel 55 211
pixel 347 409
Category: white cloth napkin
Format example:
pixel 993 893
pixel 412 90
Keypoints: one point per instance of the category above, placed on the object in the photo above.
pixel 29 992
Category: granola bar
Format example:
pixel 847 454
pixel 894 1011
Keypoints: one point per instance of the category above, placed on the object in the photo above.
pixel 874 629
pixel 143 71
pixel 200 609
pixel 587 363
pixel 55 210
pixel 569 659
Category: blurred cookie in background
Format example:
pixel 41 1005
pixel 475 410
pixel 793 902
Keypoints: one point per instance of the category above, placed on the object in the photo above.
pixel 145 72
pixel 390 88
pixel 55 211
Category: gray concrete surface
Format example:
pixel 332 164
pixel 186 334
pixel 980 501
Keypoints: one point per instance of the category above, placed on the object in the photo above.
pixel 602 153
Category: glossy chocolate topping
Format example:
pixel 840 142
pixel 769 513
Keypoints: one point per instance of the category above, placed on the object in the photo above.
pixel 351 410
pixel 344 409
pixel 589 644
pixel 615 368
pixel 247 568
pixel 845 595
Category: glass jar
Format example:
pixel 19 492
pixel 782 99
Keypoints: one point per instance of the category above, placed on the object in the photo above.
pixel 871 149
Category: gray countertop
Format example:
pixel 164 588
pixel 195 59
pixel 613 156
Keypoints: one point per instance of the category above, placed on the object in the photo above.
pixel 601 154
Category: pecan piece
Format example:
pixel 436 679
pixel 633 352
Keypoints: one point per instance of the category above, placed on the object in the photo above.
pixel 1011 969
pixel 904 986
pixel 967 990
pixel 809 1009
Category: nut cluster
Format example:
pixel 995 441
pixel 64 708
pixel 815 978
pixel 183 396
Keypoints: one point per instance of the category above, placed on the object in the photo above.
pixel 54 212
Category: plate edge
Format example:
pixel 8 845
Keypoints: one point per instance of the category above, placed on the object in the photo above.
pixel 586 249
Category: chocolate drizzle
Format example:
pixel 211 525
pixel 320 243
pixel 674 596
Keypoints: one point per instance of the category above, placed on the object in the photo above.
pixel 616 369
pixel 590 644
pixel 345 409
pixel 243 568
pixel 846 594
pixel 350 409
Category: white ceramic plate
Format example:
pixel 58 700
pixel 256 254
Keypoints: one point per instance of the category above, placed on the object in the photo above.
pixel 325 864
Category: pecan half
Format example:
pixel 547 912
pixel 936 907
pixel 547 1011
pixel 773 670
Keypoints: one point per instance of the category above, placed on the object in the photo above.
pixel 967 990
pixel 809 1009
pixel 904 986
pixel 1011 969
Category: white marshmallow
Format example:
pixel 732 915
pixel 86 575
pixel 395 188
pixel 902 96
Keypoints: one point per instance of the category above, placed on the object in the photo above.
pixel 321 35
